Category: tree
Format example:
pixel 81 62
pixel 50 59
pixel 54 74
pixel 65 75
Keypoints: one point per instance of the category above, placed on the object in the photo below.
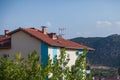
pixel 119 71
pixel 61 71
pixel 21 69
pixel 78 71
pixel 59 68
pixel 30 69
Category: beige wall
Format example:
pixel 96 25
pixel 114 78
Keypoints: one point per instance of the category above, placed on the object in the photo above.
pixel 22 42
pixel 71 53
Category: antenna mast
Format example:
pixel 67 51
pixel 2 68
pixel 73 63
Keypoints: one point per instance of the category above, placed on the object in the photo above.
pixel 62 31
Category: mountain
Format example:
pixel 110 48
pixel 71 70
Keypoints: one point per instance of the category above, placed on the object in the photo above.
pixel 107 49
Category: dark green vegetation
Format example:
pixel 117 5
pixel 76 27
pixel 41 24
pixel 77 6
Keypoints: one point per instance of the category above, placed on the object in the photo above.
pixel 30 69
pixel 119 71
pixel 104 72
pixel 107 49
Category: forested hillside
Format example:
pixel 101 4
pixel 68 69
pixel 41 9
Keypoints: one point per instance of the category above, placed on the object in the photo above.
pixel 107 49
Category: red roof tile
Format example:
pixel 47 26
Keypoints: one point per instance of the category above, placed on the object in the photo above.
pixel 61 42
pixel 5 42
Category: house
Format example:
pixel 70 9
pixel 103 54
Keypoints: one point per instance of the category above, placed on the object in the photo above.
pixel 26 40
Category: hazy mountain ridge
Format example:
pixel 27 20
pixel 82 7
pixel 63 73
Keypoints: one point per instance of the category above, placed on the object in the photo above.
pixel 107 49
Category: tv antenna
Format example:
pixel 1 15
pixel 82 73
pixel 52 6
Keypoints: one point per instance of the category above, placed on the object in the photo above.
pixel 62 31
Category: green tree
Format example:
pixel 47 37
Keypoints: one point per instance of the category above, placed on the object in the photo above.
pixel 119 71
pixel 21 69
pixel 61 71
pixel 30 69
pixel 59 68
pixel 78 71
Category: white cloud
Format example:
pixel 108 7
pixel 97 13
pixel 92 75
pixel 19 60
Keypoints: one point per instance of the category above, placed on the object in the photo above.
pixel 111 25
pixel 85 34
pixel 48 24
pixel 107 23
pixel 103 23
pixel 117 23
pixel 98 22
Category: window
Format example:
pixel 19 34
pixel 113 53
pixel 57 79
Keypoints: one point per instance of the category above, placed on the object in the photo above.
pixel 80 51
pixel 5 55
pixel 54 52
pixel 68 55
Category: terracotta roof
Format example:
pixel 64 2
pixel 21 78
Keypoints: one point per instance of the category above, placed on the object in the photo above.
pixel 3 38
pixel 60 42
pixel 5 42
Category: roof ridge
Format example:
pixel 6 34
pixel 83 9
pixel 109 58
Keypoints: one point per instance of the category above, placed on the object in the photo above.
pixel 60 41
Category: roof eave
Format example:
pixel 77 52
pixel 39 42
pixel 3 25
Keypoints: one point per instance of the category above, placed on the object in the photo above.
pixel 76 48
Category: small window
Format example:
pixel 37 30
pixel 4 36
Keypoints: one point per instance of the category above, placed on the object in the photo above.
pixel 80 52
pixel 68 55
pixel 5 55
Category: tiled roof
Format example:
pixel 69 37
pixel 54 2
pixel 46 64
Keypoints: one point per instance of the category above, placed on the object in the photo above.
pixel 2 38
pixel 60 42
pixel 5 42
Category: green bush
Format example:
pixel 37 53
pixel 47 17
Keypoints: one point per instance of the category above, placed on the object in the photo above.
pixel 30 69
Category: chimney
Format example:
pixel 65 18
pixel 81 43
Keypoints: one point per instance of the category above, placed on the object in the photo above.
pixel 53 36
pixel 6 32
pixel 44 31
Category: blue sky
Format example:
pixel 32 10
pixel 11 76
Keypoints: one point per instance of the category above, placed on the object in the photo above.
pixel 81 18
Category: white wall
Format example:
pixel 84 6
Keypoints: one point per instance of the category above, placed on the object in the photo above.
pixel 71 53
pixel 22 42
pixel 72 56
pixel 50 51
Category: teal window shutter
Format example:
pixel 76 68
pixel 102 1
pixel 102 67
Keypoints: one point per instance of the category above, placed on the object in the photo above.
pixel 54 51
pixel 80 51
pixel 88 71
pixel 44 53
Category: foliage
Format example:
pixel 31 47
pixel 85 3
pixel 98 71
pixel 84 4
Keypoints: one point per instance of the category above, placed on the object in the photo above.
pixel 119 71
pixel 20 69
pixel 78 71
pixel 59 68
pixel 107 49
pixel 104 72
pixel 30 69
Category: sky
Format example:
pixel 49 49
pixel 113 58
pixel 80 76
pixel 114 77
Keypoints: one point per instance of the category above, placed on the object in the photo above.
pixel 79 18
